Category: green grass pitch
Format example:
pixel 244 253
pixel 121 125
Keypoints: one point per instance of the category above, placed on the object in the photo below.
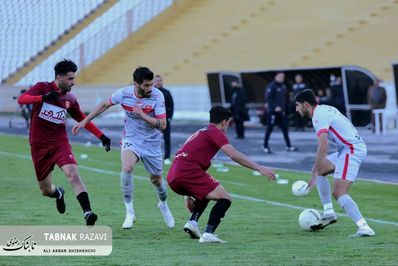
pixel 261 227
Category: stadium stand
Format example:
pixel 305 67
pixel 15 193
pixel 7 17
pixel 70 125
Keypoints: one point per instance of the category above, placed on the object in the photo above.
pixel 191 38
pixel 122 19
pixel 245 35
pixel 30 27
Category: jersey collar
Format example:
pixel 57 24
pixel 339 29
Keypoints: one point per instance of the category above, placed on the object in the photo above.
pixel 313 110
pixel 54 86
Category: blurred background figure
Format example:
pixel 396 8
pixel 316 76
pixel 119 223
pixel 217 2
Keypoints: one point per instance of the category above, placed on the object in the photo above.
pixel 24 110
pixel 337 93
pixel 377 98
pixel 168 100
pixel 275 97
pixel 238 109
pixel 299 85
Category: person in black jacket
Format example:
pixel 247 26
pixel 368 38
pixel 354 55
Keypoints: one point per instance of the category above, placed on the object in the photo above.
pixel 238 109
pixel 275 97
pixel 169 103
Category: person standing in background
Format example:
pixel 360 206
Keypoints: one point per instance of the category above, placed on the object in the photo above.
pixel 168 99
pixel 336 88
pixel 275 97
pixel 238 109
pixel 377 99
pixel 299 85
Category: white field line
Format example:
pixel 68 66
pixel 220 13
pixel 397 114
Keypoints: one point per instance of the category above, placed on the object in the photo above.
pixel 309 173
pixel 234 163
pixel 272 203
pixel 280 204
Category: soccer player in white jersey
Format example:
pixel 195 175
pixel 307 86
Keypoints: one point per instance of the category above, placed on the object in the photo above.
pixel 330 124
pixel 145 117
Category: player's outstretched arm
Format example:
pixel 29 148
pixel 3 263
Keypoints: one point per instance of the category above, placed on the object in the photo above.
pixel 321 153
pixel 243 160
pixel 159 123
pixel 93 114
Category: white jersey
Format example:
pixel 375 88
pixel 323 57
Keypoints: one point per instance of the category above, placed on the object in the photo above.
pixel 327 119
pixel 143 135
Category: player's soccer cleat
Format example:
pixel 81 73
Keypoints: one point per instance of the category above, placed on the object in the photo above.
pixel 324 221
pixel 167 161
pixel 367 231
pixel 266 150
pixel 61 202
pixel 291 148
pixel 129 221
pixel 90 218
pixel 192 229
pixel 210 238
pixel 167 216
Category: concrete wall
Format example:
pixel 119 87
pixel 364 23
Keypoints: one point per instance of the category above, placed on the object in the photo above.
pixel 188 100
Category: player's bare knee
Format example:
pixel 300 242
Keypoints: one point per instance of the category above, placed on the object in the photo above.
pixel 226 196
pixel 74 178
pixel 337 193
pixel 127 168
pixel 156 180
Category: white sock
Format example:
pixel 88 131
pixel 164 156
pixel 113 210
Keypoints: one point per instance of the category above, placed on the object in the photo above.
pixel 323 187
pixel 328 208
pixel 352 210
pixel 129 208
pixel 161 190
pixel 127 186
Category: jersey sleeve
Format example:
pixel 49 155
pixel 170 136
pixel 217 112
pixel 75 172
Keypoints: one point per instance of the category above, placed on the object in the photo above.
pixel 33 95
pixel 321 121
pixel 116 97
pixel 160 108
pixel 219 138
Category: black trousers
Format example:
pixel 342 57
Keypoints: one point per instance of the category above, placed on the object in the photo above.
pixel 239 128
pixel 279 119
pixel 166 138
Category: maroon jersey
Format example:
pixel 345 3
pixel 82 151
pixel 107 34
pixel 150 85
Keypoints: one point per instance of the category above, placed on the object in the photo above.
pixel 196 154
pixel 48 118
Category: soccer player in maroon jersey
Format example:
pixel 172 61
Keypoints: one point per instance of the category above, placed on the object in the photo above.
pixel 187 175
pixel 48 138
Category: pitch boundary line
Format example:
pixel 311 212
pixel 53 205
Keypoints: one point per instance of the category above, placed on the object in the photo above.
pixel 233 163
pixel 253 199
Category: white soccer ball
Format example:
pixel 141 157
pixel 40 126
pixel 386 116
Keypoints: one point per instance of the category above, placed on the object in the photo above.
pixel 307 218
pixel 299 188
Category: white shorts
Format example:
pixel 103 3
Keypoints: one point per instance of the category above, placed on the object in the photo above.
pixel 347 164
pixel 153 162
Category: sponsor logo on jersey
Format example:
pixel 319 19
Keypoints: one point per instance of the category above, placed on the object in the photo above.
pixel 53 113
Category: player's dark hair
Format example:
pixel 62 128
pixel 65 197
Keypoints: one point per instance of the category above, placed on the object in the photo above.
pixel 219 114
pixel 306 96
pixel 142 73
pixel 65 66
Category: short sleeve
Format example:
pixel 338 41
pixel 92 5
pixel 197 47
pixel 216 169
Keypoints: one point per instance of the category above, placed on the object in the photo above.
pixel 116 97
pixel 321 121
pixel 160 108
pixel 219 138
